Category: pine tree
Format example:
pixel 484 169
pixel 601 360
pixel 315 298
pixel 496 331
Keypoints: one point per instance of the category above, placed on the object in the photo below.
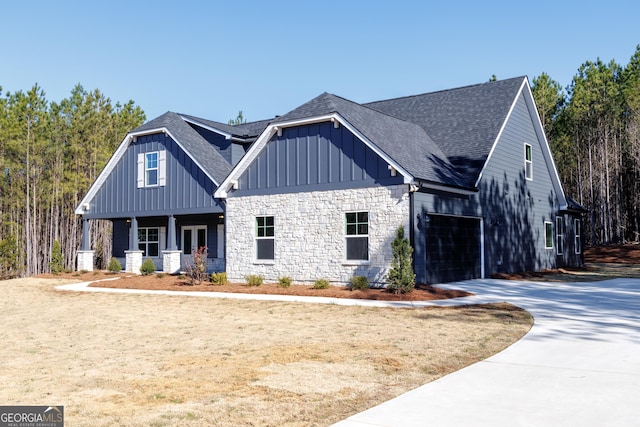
pixel 401 276
pixel 57 259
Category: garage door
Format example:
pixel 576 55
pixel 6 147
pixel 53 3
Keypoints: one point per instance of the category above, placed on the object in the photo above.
pixel 453 248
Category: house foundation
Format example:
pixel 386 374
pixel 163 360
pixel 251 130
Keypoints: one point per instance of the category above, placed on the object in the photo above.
pixel 133 261
pixel 85 260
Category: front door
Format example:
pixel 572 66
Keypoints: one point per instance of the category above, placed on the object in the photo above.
pixel 193 237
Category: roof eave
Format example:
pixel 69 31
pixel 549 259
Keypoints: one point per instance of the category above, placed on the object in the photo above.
pixel 275 128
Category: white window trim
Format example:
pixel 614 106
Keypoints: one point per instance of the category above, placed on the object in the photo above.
pixel 257 260
pixel 161 168
pixel 161 240
pixel 347 261
pixel 559 235
pixel 545 234
pixel 528 164
pixel 577 228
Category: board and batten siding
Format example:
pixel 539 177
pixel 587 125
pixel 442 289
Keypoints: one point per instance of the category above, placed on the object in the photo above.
pixel 317 156
pixel 188 190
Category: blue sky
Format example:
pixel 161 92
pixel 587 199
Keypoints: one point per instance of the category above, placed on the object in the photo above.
pixel 213 58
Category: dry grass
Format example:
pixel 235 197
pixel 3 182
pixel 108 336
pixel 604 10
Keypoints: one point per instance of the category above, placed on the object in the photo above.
pixel 135 360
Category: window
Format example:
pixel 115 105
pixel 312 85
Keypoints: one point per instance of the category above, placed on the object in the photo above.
pixel 152 169
pixel 578 239
pixel 528 162
pixel 559 235
pixel 357 236
pixel 149 241
pixel 265 238
pixel 548 235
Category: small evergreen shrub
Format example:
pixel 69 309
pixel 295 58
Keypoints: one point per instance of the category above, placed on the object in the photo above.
pixel 57 259
pixel 147 267
pixel 321 284
pixel 359 283
pixel 160 275
pixel 284 282
pixel 254 279
pixel 401 276
pixel 114 266
pixel 219 279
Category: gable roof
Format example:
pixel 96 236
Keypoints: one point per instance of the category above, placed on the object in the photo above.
pixel 404 142
pixel 212 163
pixel 443 137
pixel 244 132
pixel 202 152
pixel 464 121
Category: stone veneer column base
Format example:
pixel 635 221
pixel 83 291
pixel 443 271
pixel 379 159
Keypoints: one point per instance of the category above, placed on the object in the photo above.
pixel 171 261
pixel 85 260
pixel 133 261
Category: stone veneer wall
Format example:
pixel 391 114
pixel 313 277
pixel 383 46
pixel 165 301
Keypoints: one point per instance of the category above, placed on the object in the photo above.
pixel 310 233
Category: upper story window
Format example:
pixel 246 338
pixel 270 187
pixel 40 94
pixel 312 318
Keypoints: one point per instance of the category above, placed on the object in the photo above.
pixel 357 236
pixel 265 238
pixel 528 162
pixel 152 169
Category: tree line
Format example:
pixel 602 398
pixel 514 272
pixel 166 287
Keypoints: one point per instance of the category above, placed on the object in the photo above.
pixel 593 126
pixel 50 154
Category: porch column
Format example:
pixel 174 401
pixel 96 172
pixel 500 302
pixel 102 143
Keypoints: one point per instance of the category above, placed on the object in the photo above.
pixel 171 256
pixel 133 257
pixel 85 254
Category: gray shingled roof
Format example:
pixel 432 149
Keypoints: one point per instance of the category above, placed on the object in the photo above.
pixel 247 131
pixel 443 137
pixel 408 144
pixel 198 148
pixel 464 122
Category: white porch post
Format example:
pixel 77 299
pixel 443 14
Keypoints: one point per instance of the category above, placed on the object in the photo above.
pixel 171 256
pixel 133 256
pixel 85 254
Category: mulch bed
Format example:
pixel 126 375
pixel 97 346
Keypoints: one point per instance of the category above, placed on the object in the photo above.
pixel 177 283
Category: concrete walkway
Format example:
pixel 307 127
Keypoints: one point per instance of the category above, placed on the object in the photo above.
pixel 578 366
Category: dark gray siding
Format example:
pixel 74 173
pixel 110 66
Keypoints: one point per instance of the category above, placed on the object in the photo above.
pixel 316 157
pixel 513 209
pixel 188 190
pixel 516 208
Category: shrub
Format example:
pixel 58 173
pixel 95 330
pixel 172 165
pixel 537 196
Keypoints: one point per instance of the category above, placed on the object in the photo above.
pixel 321 284
pixel 57 259
pixel 254 279
pixel 114 265
pixel 160 275
pixel 401 276
pixel 284 282
pixel 359 283
pixel 197 268
pixel 219 279
pixel 147 267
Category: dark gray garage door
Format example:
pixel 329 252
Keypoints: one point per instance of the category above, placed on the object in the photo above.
pixel 453 248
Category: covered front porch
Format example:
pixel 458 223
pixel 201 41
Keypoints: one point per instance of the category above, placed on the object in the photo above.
pixel 169 241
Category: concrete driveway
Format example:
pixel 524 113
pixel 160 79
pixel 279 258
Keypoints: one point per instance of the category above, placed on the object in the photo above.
pixel 578 366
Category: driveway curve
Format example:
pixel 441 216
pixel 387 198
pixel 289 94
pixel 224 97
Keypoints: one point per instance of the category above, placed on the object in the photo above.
pixel 578 366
